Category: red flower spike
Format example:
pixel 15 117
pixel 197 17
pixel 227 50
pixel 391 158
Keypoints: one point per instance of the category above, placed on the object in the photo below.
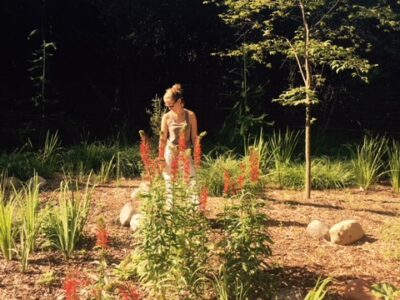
pixel 161 149
pixel 197 153
pixel 145 153
pixel 254 165
pixel 203 199
pixel 186 165
pixel 227 183
pixel 175 167
pixel 129 292
pixel 102 237
pixel 72 284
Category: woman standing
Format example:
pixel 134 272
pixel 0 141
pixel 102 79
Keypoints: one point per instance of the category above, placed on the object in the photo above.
pixel 173 123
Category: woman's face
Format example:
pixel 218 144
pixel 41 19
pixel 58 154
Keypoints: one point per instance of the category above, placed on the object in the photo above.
pixel 171 104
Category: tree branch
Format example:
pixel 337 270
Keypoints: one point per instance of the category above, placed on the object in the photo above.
pixel 327 13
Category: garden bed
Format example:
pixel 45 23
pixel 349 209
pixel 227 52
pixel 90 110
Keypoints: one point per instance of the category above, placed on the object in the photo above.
pixel 297 259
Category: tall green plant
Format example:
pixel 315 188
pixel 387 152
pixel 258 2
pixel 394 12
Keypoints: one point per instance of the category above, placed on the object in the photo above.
pixel 28 199
pixel 282 147
pixel 367 160
pixel 312 36
pixel 65 222
pixel 245 249
pixel 394 165
pixel 156 112
pixel 7 227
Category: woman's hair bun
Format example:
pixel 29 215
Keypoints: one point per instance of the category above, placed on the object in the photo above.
pixel 175 92
pixel 177 89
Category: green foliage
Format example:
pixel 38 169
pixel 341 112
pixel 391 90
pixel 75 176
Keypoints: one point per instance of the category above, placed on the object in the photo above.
pixel 212 173
pixel 103 159
pixel 28 200
pixel 367 160
pixel 263 148
pixel 244 249
pixel 282 147
pixel 386 291
pixel 394 165
pixel 312 35
pixel 172 252
pixel 8 230
pixel 156 112
pixel 327 174
pixel 320 289
pixel 297 96
pixel 39 67
pixel 65 222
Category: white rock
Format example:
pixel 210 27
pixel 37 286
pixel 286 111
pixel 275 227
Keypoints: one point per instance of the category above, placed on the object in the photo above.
pixel 135 221
pixel 10 182
pixel 41 181
pixel 135 194
pixel 346 232
pixel 126 214
pixel 318 230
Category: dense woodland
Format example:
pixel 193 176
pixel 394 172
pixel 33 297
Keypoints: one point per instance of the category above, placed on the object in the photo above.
pixel 106 60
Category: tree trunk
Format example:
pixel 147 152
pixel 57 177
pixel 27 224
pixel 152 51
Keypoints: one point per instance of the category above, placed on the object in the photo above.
pixel 307 181
pixel 308 84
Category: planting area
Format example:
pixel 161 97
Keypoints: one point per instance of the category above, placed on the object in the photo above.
pixel 297 260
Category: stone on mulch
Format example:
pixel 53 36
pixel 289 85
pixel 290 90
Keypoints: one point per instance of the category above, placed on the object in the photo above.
pixel 358 289
pixel 41 181
pixel 142 189
pixel 135 221
pixel 10 182
pixel 317 229
pixel 346 232
pixel 126 214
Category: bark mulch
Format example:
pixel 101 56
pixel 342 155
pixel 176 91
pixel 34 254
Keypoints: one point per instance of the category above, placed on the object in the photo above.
pixel 297 259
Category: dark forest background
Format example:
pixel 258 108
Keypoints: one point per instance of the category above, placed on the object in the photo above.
pixel 113 57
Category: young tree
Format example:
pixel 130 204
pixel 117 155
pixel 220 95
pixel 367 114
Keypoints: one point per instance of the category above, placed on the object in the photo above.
pixel 317 35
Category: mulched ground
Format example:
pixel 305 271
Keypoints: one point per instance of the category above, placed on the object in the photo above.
pixel 298 260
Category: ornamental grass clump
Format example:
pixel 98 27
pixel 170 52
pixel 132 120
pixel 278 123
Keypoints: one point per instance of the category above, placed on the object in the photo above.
pixel 28 203
pixel 8 230
pixel 367 161
pixel 282 147
pixel 66 221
